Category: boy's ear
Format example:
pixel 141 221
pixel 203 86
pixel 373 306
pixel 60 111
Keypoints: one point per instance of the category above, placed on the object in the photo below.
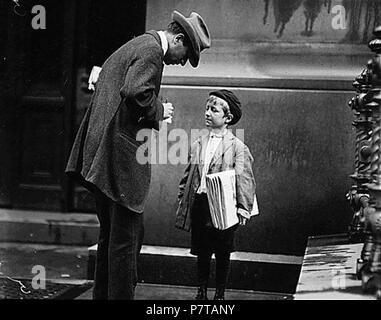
pixel 229 118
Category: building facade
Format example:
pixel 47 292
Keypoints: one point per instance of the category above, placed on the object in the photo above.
pixel 291 63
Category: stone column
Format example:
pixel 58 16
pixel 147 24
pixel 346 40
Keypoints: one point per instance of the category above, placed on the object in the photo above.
pixel 371 269
pixel 358 196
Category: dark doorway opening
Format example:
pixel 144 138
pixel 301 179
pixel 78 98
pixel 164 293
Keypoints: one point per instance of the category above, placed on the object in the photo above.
pixel 111 24
pixel 43 96
pixel 107 26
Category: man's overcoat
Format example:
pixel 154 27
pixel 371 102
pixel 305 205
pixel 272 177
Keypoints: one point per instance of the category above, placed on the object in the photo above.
pixel 125 101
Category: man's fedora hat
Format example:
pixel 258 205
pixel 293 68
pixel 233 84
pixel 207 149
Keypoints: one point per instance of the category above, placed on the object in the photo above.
pixel 197 32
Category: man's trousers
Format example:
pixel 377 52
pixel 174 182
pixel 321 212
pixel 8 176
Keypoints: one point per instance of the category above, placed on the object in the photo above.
pixel 120 239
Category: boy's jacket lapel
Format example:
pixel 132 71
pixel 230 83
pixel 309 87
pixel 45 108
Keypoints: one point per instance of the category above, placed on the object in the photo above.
pixel 201 152
pixel 225 145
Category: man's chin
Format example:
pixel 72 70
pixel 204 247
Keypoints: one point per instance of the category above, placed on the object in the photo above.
pixel 168 63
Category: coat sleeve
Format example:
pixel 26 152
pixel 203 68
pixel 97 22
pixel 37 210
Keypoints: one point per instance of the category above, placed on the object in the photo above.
pixel 185 177
pixel 140 84
pixel 245 181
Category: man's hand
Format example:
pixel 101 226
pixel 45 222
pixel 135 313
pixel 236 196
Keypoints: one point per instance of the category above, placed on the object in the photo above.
pixel 94 75
pixel 242 220
pixel 168 111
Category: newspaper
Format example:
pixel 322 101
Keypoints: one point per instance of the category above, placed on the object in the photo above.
pixel 221 192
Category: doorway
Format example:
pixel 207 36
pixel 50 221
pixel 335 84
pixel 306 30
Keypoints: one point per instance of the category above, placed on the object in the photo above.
pixel 45 78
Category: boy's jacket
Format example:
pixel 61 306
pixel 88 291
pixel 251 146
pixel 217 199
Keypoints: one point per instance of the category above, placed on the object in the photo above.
pixel 231 153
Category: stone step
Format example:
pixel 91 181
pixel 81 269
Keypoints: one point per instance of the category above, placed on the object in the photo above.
pixel 158 265
pixel 68 264
pixel 248 271
pixel 48 227
pixel 329 271
pixel 149 291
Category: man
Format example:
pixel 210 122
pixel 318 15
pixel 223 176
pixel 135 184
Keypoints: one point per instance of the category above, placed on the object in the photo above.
pixel 103 158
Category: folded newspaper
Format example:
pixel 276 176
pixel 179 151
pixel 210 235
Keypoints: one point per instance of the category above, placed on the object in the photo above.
pixel 220 188
pixel 221 192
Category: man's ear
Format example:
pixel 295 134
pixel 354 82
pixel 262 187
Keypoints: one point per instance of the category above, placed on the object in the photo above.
pixel 179 38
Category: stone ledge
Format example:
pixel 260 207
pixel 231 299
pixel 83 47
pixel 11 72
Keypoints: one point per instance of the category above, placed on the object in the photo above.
pixel 158 264
pixel 329 271
pixel 48 227
pixel 249 271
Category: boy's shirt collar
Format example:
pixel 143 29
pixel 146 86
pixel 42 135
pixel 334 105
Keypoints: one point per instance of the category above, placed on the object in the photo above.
pixel 203 139
pixel 218 135
pixel 227 142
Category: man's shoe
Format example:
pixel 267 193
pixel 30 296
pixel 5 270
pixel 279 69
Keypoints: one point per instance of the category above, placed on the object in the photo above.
pixel 201 293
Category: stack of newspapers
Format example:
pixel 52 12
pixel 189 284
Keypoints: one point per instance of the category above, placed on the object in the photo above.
pixel 220 188
pixel 221 192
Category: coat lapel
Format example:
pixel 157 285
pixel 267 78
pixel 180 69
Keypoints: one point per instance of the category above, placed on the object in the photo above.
pixel 203 140
pixel 225 145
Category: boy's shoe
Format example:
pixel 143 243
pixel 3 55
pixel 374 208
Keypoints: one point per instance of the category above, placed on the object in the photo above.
pixel 220 294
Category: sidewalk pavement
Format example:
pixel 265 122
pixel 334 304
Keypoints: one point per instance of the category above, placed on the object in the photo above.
pixel 65 263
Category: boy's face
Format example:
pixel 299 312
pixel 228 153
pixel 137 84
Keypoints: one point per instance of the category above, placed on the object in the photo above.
pixel 215 116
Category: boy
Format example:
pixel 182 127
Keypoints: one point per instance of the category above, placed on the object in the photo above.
pixel 217 151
